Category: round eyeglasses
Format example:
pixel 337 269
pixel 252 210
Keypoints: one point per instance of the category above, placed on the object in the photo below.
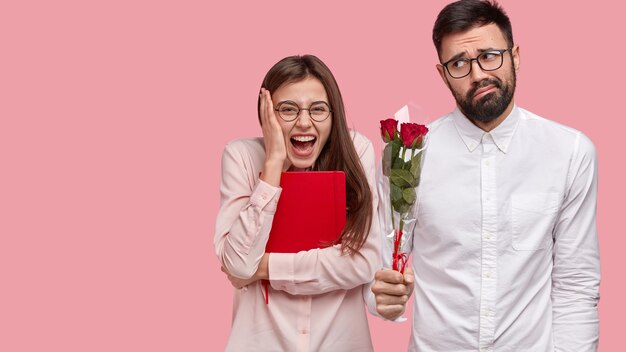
pixel 490 60
pixel 289 111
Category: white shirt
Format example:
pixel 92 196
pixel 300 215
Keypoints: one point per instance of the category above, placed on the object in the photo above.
pixel 504 249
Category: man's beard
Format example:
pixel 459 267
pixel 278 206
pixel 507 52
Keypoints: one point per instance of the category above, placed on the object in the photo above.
pixel 492 105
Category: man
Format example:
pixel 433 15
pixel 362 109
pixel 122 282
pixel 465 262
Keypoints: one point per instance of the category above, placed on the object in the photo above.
pixel 504 248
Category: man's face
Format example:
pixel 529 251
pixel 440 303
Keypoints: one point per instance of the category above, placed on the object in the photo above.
pixel 482 95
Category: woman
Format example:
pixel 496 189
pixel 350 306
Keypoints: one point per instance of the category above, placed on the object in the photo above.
pixel 316 301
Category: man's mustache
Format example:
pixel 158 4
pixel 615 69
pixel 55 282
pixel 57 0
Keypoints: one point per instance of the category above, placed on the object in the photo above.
pixel 485 82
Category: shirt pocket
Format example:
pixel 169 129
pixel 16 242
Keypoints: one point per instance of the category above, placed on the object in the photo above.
pixel 533 218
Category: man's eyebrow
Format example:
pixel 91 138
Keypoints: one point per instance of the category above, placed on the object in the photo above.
pixel 455 57
pixel 462 54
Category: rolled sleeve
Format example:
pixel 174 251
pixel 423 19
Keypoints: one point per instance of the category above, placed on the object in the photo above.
pixel 265 196
pixel 281 271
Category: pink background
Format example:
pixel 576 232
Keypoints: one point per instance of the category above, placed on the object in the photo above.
pixel 113 119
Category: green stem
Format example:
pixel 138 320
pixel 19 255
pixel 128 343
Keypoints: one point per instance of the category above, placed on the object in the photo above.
pixel 393 222
pixel 403 153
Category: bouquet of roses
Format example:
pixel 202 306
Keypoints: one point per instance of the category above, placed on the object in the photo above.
pixel 401 167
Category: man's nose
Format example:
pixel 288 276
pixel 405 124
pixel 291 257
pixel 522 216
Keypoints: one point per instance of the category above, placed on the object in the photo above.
pixel 477 73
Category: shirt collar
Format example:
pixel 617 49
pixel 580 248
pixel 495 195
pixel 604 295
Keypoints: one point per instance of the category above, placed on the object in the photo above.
pixel 472 135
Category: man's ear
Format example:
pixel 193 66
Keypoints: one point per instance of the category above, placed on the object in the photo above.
pixel 516 58
pixel 442 74
pixel 441 71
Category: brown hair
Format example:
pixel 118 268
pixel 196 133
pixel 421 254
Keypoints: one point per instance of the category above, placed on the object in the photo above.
pixel 337 154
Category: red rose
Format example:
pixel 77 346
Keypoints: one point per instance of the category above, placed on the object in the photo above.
pixel 388 129
pixel 412 134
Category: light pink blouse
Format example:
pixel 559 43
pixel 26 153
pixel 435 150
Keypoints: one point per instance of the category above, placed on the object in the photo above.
pixel 315 300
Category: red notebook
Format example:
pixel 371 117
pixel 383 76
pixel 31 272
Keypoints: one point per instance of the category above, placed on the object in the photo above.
pixel 311 211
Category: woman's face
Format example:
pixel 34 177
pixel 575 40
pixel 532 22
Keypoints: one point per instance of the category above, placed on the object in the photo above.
pixel 304 137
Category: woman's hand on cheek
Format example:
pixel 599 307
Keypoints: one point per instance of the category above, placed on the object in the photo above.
pixel 275 148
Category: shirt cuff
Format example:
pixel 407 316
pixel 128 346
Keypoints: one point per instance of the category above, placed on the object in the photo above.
pixel 265 196
pixel 281 270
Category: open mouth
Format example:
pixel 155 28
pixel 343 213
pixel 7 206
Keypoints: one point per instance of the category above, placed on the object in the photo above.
pixel 303 145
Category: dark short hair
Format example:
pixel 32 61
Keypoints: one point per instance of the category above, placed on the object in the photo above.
pixel 464 15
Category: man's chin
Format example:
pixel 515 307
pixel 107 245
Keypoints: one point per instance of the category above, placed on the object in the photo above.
pixel 486 109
